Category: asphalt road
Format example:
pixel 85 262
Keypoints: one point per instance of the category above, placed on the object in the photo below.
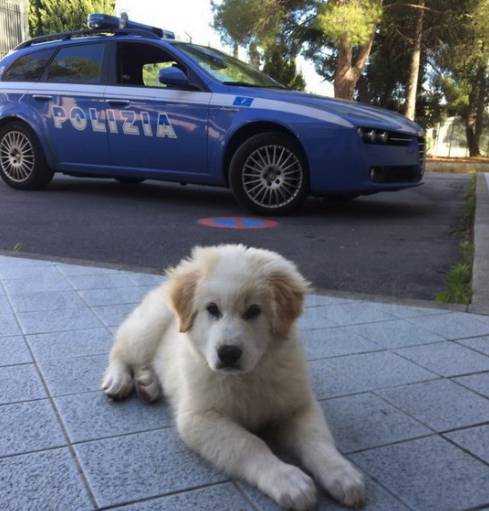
pixel 395 244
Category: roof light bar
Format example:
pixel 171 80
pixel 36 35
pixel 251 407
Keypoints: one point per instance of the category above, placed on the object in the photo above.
pixel 100 21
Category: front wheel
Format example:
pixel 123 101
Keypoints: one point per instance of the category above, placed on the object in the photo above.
pixel 268 174
pixel 22 162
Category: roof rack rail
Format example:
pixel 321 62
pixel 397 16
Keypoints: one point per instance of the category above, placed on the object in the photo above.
pixel 64 36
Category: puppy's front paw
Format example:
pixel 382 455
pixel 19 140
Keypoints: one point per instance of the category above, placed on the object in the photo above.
pixel 117 383
pixel 346 485
pixel 290 488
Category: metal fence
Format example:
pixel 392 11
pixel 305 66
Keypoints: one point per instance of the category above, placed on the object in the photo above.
pixel 12 25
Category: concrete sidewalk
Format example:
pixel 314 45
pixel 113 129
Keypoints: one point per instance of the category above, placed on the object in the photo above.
pixel 406 391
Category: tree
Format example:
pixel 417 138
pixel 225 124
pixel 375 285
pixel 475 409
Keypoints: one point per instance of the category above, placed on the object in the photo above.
pixel 412 85
pixel 350 25
pixel 48 16
pixel 280 65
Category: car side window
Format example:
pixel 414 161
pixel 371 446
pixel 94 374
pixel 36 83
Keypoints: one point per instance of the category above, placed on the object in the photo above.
pixel 28 68
pixel 139 64
pixel 77 64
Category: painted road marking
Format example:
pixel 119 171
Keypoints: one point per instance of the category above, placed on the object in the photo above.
pixel 237 222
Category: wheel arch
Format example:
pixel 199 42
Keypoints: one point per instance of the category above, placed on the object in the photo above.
pixel 10 117
pixel 249 130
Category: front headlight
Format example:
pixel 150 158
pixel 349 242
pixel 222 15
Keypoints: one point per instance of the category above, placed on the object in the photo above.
pixel 373 136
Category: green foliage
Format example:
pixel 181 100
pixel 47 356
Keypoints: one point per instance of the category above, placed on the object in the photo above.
pixel 353 21
pixel 459 278
pixel 49 16
pixel 280 66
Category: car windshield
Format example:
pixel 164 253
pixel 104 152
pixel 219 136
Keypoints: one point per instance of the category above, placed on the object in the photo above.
pixel 228 70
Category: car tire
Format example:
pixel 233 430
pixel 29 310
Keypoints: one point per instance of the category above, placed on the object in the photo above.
pixel 129 180
pixel 268 174
pixel 22 161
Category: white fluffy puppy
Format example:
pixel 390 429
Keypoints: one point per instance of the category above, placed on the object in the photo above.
pixel 219 338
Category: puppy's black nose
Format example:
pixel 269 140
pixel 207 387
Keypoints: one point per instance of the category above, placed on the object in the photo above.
pixel 229 355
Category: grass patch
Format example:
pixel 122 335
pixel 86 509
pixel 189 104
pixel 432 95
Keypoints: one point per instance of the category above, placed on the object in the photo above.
pixel 459 278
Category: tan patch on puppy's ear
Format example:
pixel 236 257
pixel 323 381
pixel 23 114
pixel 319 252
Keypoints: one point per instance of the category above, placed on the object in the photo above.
pixel 288 292
pixel 181 290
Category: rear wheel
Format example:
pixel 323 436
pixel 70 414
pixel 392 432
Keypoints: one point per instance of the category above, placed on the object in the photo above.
pixel 22 161
pixel 268 174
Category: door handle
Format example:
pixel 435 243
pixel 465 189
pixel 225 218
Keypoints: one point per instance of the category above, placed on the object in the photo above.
pixel 42 97
pixel 118 102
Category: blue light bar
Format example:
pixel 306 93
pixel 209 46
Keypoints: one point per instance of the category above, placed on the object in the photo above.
pixel 101 21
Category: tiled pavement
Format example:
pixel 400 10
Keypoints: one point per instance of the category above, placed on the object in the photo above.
pixel 406 390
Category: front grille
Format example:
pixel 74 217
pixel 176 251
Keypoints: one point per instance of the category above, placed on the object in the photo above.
pixel 421 151
pixel 395 174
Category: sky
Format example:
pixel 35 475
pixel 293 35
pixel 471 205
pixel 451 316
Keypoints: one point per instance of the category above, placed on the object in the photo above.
pixel 192 19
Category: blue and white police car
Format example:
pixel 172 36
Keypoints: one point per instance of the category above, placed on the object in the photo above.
pixel 128 101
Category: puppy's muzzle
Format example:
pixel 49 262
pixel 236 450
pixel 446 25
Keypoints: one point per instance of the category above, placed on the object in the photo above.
pixel 229 357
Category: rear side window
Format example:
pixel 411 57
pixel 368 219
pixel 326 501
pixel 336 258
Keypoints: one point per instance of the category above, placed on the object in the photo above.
pixel 28 68
pixel 77 64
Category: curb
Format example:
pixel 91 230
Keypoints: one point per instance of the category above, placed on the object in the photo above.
pixel 480 274
pixel 335 293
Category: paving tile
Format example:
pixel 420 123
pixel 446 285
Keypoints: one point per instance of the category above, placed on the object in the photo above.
pixel 221 497
pixel 454 325
pixel 142 465
pixel 115 296
pixel 478 343
pixel 48 280
pixel 73 375
pixel 95 341
pixel 429 473
pixel 46 301
pixel 475 440
pixel 8 325
pixel 113 315
pixel 442 405
pixel 13 350
pixel 371 371
pixel 31 426
pixel 80 282
pixel 408 311
pixel 91 416
pixel 27 271
pixel 359 312
pixel 75 270
pixel 5 307
pixel 477 382
pixel 147 279
pixel 328 382
pixel 58 320
pixel 364 421
pixel 47 480
pixel 396 334
pixel 377 499
pixel 333 342
pixel 20 383
pixel 313 300
pixel 344 314
pixel 447 358
pixel 10 266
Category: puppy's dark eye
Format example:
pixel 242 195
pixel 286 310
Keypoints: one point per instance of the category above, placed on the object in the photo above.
pixel 252 312
pixel 213 310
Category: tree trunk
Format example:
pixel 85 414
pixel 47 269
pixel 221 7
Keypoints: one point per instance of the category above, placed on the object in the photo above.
pixel 474 117
pixel 412 87
pixel 235 49
pixel 349 67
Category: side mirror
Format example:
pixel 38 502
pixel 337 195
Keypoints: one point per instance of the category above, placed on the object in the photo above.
pixel 173 77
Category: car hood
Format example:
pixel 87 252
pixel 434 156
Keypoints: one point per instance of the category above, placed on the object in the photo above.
pixel 358 114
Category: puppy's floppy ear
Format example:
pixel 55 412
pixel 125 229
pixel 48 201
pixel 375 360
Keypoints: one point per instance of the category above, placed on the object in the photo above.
pixel 288 290
pixel 182 284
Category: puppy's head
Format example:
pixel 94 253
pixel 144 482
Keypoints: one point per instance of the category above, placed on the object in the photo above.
pixel 235 302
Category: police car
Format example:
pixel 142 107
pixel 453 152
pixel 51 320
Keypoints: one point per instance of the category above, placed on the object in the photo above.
pixel 128 101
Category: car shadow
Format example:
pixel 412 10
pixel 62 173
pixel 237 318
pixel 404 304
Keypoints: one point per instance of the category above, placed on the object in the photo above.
pixel 220 201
